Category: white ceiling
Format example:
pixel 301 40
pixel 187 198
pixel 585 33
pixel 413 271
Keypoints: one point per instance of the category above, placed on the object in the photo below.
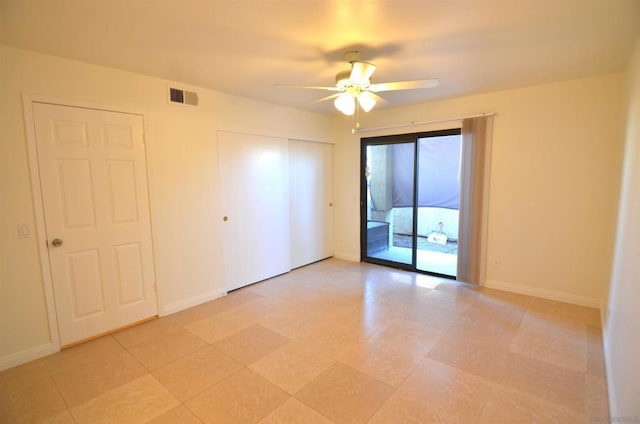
pixel 244 47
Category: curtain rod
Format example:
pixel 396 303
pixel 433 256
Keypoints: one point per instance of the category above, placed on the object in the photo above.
pixel 433 121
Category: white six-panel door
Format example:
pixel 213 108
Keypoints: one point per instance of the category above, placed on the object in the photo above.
pixel 94 187
pixel 254 193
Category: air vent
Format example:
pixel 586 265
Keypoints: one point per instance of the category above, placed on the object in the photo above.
pixel 178 95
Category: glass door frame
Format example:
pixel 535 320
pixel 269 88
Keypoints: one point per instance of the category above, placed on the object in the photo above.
pixel 391 140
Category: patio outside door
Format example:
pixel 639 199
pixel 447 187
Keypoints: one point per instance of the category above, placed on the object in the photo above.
pixel 410 192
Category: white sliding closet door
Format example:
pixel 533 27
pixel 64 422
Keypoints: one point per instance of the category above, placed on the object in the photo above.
pixel 311 169
pixel 254 187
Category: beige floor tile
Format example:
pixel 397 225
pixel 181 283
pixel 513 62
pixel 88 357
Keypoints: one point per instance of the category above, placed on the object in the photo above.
pixel 542 340
pixel 595 351
pixel 178 415
pixel 330 306
pixel 196 372
pixel 458 287
pixel 436 393
pixel 546 381
pixel 369 317
pixel 497 318
pixel 490 329
pixel 136 402
pixel 268 288
pixel 251 344
pixel 391 308
pixel 291 329
pixel 61 418
pixel 454 300
pixel 502 298
pixel 345 395
pixel 239 297
pixel 403 333
pixel 420 280
pixel 295 322
pixel 257 309
pixel 294 412
pixel 390 363
pixel 143 332
pixel 291 367
pixel 508 406
pixel 477 353
pixel 303 295
pixel 399 294
pixel 334 340
pixel 79 384
pixel 358 328
pixel 212 308
pixel 549 324
pixel 29 395
pixel 245 397
pixel 596 404
pixel 161 350
pixel 82 354
pixel 565 312
pixel 431 316
pixel 219 326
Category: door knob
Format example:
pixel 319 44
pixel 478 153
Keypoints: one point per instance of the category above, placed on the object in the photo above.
pixel 56 242
pixel 225 218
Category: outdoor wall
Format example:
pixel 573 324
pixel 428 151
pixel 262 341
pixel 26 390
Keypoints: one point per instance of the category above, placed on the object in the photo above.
pixel 183 181
pixel 555 175
pixel 622 327
pixel 428 221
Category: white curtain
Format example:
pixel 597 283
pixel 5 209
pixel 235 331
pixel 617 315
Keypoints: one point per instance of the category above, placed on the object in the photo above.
pixel 476 142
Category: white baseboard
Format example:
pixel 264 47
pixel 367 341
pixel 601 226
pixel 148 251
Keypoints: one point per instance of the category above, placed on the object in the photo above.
pixel 347 257
pixel 172 308
pixel 613 406
pixel 25 356
pixel 544 293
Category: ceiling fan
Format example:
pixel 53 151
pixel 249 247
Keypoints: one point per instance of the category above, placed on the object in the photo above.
pixel 354 88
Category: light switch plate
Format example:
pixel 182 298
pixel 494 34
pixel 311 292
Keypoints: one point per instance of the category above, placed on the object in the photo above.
pixel 23 231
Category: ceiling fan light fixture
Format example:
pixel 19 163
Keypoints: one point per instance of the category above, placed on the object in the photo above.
pixel 361 73
pixel 366 100
pixel 345 103
pixel 354 91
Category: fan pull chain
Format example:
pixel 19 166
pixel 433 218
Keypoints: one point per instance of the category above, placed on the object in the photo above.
pixel 356 118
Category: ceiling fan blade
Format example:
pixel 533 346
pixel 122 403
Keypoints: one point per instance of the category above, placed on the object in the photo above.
pixel 312 87
pixel 329 97
pixel 361 72
pixel 404 85
pixel 379 100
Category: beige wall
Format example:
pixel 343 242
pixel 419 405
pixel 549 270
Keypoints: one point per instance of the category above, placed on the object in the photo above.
pixel 556 159
pixel 622 328
pixel 183 180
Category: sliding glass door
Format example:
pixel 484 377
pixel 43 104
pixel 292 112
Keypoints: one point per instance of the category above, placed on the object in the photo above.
pixel 386 238
pixel 410 191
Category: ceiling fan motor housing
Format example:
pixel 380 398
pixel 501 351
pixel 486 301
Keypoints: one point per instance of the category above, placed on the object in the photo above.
pixel 352 56
pixel 342 79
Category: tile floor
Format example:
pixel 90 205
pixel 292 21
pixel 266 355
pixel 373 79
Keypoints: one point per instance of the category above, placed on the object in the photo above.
pixel 333 342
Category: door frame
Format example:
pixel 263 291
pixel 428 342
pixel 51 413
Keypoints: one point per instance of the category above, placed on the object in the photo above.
pixel 391 139
pixel 38 205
